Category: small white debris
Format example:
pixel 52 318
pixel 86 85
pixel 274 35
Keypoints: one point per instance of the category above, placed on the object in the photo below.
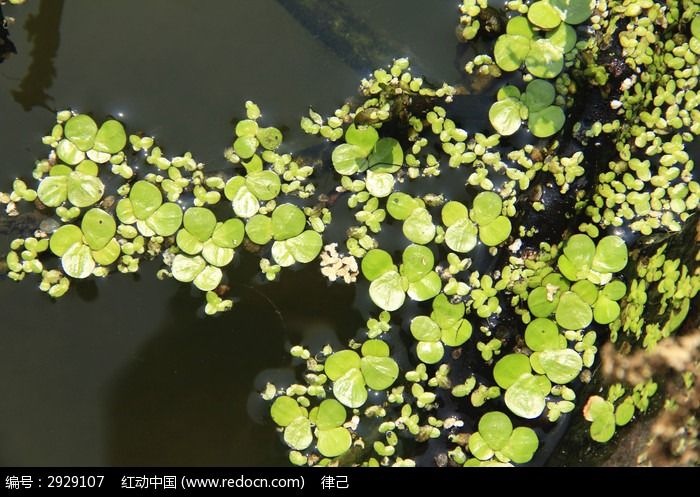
pixel 515 246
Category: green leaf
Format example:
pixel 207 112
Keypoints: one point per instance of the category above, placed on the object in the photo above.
pixel 287 221
pixel 510 51
pixel 387 156
pixel 285 410
pixel 200 222
pixel 331 414
pixel 495 428
pixel 486 208
pixel 522 445
pixel 244 203
pixel 496 232
pixel 526 397
pixel 350 389
pixel 574 11
pixel 387 291
pixel 603 428
pixel 216 255
pixel 209 278
pixel 425 329
pixel 333 442
pixel 166 220
pixel 53 190
pixel 264 184
pixel 519 25
pixel 270 138
pixel 186 269
pixel 561 366
pixel 605 310
pixel 539 95
pixel 580 250
pixel 145 199
pixel 282 255
pixel 542 334
pixel 245 146
pixel 445 313
pixel 229 234
pixel 376 348
pixel 298 434
pixel 81 130
pixel 108 254
pixel 544 60
pixel 232 186
pixel 479 448
pixel 340 363
pixel 188 243
pixel 419 227
pixel 430 352
pixel 546 122
pixel 610 255
pixel 456 334
pixel 259 229
pixel 77 261
pixel 69 152
pixel 564 37
pixel 246 127
pixel 543 15
pixel 418 260
pixel 375 263
pixel 453 212
pixel 379 372
pixel 509 368
pixel 98 228
pixel 504 116
pixel 111 137
pixel 305 247
pixel 461 236
pixel 572 312
pixel 125 211
pixel 64 238
pixel 88 168
pixel 401 205
pixel 349 159
pixel 614 290
pixel 541 303
pixel 84 190
pixel 426 288
pixel 586 290
pixel 363 137
pixel 379 184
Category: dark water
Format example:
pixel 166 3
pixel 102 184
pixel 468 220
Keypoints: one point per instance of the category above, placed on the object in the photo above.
pixel 127 371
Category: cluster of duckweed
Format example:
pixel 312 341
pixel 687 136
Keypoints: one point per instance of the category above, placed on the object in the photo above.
pixel 400 381
pixel 167 207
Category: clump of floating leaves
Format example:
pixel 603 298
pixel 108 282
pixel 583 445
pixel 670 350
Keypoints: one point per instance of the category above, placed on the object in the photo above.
pixel 580 234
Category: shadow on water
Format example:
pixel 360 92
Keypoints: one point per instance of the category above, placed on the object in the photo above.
pixel 44 33
pixel 181 400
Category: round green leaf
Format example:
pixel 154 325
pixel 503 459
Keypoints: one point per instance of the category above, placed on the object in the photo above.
pixel 111 137
pixel 510 51
pixel 84 190
pixel 350 389
pixel 544 60
pixel 425 329
pixel 379 372
pixel 419 227
pixel 624 413
pixel 574 11
pixel 504 116
pixel 305 247
pixel 88 167
pixel 387 291
pixel 509 368
pixel 610 255
pixel 496 232
pixel 245 146
pixel 229 234
pixel 188 243
pixel 69 152
pixel 453 212
pixel 379 184
pixel 543 15
pixel 418 260
pixel 586 290
pixel 333 442
pixel 539 95
pixel 287 221
pixel 479 448
pixel 270 138
pixel 282 255
pixel 363 137
pixel 546 122
pixel 331 414
pixel 387 156
pixel 375 263
pixel 376 348
pixel 425 288
pixel 246 127
pixel 77 261
pixel 461 236
pixel 232 186
pixel 259 229
pixel 200 222
pixel 519 25
pixel 401 205
pixel 561 366
pixel 108 254
pixel 340 363
pixel 564 37
pixel 64 238
pixel 216 255
pixel 430 352
pixel 526 397
pixel 166 220
pixel 81 130
pixel 580 250
pixel 445 313
pixel 298 433
pixel 209 278
pixel 145 199
pixel 98 228
pixel 603 428
pixel 244 203
pixel 53 190
pixel 521 446
pixel 495 428
pixel 349 159
pixel 572 312
pixel 284 410
pixel 264 184
pixel 456 334
pixel 542 302
pixel 542 334
pixel 605 310
pixel 186 269
pixel 487 207
pixel 614 290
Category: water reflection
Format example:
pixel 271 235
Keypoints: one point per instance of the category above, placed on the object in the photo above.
pixel 43 30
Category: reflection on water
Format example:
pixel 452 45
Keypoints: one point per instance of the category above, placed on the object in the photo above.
pixel 44 33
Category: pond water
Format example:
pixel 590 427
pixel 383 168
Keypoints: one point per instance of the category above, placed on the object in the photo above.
pixel 127 371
